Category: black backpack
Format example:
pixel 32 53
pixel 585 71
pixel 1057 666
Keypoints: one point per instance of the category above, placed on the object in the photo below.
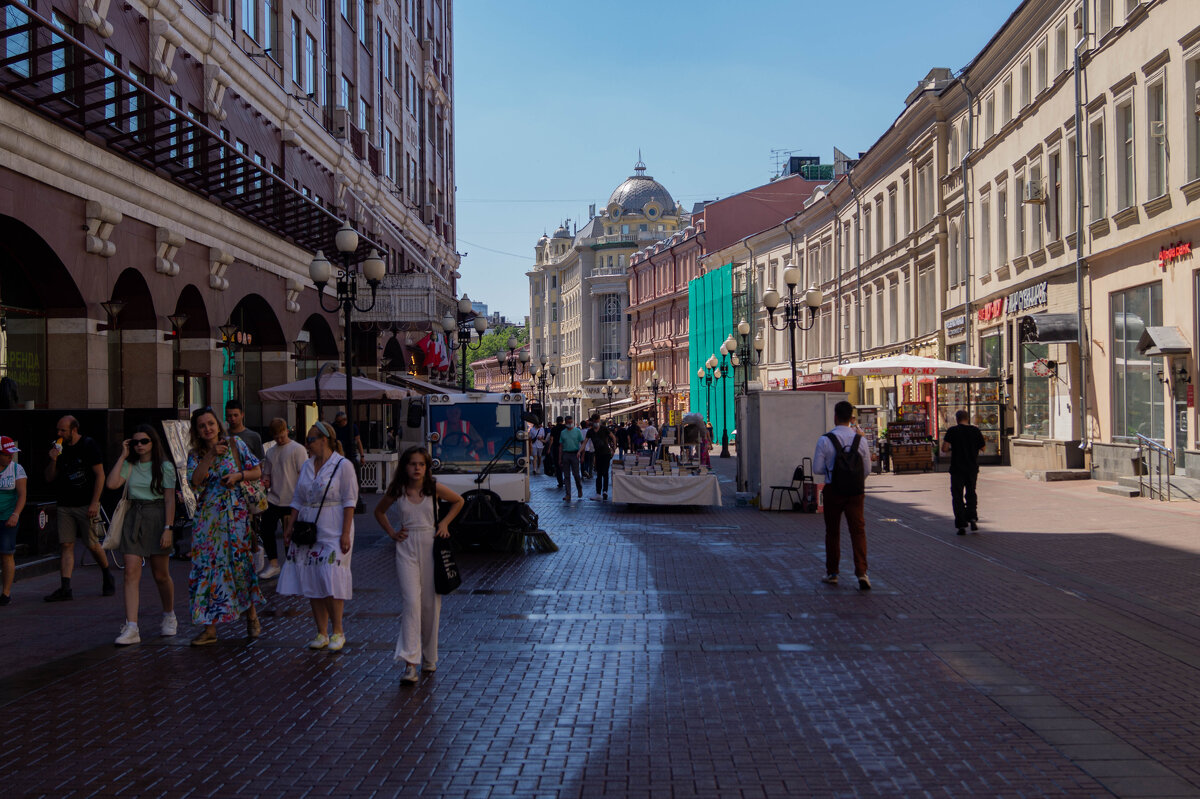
pixel 848 478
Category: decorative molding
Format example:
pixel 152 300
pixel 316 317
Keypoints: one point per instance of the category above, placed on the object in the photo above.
pixel 292 301
pixel 1099 228
pixel 1191 189
pixel 1157 205
pixel 218 262
pixel 169 243
pixel 93 13
pixel 101 219
pixel 1126 217
pixel 164 39
pixel 216 81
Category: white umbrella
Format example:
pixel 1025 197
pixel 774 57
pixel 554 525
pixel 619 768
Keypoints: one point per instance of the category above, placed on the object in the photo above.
pixel 333 389
pixel 913 365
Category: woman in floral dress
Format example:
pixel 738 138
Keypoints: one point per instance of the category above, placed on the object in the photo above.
pixel 222 583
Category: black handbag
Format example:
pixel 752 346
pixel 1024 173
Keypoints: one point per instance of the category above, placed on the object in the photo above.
pixel 305 533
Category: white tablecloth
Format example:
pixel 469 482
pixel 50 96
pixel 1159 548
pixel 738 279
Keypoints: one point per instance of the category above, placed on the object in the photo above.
pixel 653 489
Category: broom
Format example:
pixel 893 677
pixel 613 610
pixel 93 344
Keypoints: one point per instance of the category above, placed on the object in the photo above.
pixel 539 541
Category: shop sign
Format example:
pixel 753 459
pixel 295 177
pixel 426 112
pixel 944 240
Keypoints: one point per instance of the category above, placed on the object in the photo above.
pixel 1019 301
pixel 993 310
pixel 955 325
pixel 1173 253
pixel 1191 396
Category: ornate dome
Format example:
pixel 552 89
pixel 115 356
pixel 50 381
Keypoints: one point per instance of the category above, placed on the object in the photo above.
pixel 639 191
pixel 562 232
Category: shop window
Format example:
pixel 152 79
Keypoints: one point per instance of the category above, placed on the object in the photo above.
pixel 957 353
pixel 23 353
pixel 1035 393
pixel 1137 394
pixel 990 354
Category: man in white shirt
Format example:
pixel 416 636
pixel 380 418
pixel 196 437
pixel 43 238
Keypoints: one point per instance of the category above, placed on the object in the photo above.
pixel 281 469
pixel 844 492
pixel 650 434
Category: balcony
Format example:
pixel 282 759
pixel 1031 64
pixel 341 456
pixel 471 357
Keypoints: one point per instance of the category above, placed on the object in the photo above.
pixel 408 301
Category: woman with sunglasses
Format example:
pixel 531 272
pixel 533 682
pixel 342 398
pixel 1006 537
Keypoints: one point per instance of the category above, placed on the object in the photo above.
pixel 147 532
pixel 326 494
pixel 222 583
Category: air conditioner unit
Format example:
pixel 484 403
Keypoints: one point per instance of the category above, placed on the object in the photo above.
pixel 1034 192
pixel 342 122
pixel 427 214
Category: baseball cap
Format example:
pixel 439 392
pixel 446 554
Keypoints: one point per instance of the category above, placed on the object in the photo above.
pixel 8 445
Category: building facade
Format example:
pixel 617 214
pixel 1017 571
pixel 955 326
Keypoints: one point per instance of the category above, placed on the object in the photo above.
pixel 579 295
pixel 168 170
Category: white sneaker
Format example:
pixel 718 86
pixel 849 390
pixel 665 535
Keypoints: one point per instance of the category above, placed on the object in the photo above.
pixel 320 642
pixel 336 642
pixel 129 635
pixel 170 625
pixel 269 572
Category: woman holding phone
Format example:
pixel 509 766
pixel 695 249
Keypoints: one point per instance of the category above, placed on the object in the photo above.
pixel 222 584
pixel 147 532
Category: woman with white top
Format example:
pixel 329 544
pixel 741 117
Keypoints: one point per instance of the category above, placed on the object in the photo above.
pixel 415 494
pixel 326 493
pixel 148 530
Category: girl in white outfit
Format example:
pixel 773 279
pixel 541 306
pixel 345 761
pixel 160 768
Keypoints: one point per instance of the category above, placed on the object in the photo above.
pixel 413 492
pixel 326 493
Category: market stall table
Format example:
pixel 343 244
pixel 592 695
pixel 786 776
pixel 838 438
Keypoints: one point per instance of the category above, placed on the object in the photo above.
pixel 666 489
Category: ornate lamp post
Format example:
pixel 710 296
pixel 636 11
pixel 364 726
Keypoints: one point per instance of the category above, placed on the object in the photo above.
pixel 728 350
pixel 608 392
pixel 792 317
pixel 652 385
pixel 743 357
pixel 346 288
pixel 465 323
pixel 513 363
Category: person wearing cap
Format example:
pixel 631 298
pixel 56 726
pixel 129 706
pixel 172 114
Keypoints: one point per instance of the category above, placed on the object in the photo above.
pixel 12 502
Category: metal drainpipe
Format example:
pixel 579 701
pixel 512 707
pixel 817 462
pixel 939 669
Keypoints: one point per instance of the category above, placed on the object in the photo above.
pixel 965 238
pixel 858 274
pixel 1084 443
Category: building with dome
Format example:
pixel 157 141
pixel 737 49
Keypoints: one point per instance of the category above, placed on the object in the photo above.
pixel 579 296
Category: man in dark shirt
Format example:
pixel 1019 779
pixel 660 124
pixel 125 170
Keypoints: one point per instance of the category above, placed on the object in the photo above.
pixel 552 447
pixel 237 427
pixel 76 473
pixel 964 442
pixel 352 449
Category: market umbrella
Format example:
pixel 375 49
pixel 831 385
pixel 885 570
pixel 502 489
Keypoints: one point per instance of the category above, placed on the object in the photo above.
pixel 913 365
pixel 333 389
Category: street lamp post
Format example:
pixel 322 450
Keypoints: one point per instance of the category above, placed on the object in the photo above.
pixel 346 288
pixel 608 392
pixel 465 323
pixel 792 317
pixel 728 350
pixel 513 363
pixel 652 386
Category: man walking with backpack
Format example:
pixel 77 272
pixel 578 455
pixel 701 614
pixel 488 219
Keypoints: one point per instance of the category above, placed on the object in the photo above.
pixel 844 457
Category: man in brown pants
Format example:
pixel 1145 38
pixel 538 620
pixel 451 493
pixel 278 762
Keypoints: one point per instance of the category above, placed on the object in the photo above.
pixel 844 457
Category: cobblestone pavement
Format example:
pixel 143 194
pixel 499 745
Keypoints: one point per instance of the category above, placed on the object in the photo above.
pixel 675 652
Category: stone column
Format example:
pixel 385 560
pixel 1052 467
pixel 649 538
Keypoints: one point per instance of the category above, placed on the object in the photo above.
pixel 146 365
pixel 76 366
pixel 277 369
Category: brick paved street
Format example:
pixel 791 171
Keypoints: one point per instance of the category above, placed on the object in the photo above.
pixel 665 653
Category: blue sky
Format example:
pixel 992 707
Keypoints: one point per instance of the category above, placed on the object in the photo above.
pixel 554 100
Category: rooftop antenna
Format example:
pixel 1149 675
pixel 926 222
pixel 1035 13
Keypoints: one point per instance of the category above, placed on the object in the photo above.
pixel 779 156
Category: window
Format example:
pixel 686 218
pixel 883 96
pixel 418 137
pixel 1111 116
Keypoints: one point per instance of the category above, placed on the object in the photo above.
pixel 1035 393
pixel 344 7
pixel 1104 16
pixel 297 54
pixel 60 57
pixel 1137 394
pixel 1006 102
pixel 927 303
pixel 1156 141
pixel 345 93
pixel 17 45
pixel 952 255
pixel 270 27
pixel 879 225
pixel 1069 182
pixel 1019 217
pixel 110 87
pixel 364 27
pixel 365 122
pixel 985 235
pixel 868 331
pixel 249 16
pixel 1035 211
pixel 989 117
pixel 1062 48
pixel 310 63
pixel 1002 225
pixel 1026 83
pixel 1193 121
pixel 174 126
pixel 1096 177
pixel 1043 65
pixel 1125 185
pixel 1055 198
pixel 894 312
pixel 891 217
pixel 907 205
pixel 866 232
pixel 135 99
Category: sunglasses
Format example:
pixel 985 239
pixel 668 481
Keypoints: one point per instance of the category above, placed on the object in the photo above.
pixel 312 439
pixel 140 442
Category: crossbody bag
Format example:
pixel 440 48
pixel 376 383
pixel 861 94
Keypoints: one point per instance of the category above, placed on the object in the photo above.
pixel 305 533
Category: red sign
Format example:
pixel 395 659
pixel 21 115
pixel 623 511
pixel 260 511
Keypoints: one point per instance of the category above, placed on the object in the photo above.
pixel 1191 400
pixel 993 310
pixel 1174 252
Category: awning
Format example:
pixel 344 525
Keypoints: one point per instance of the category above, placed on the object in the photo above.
pixel 1163 341
pixel 1050 328
pixel 641 406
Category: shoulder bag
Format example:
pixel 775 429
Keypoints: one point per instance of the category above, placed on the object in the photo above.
pixel 116 522
pixel 446 576
pixel 305 533
pixel 252 490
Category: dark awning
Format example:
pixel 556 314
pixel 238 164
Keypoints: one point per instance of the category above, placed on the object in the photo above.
pixel 1163 341
pixel 1050 328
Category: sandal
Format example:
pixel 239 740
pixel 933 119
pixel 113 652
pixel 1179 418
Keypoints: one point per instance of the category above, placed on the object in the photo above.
pixel 253 627
pixel 205 638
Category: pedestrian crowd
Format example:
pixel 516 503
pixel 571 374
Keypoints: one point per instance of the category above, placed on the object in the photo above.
pixel 245 496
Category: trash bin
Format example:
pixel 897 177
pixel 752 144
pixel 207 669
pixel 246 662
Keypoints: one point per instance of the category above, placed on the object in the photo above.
pixel 38 531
